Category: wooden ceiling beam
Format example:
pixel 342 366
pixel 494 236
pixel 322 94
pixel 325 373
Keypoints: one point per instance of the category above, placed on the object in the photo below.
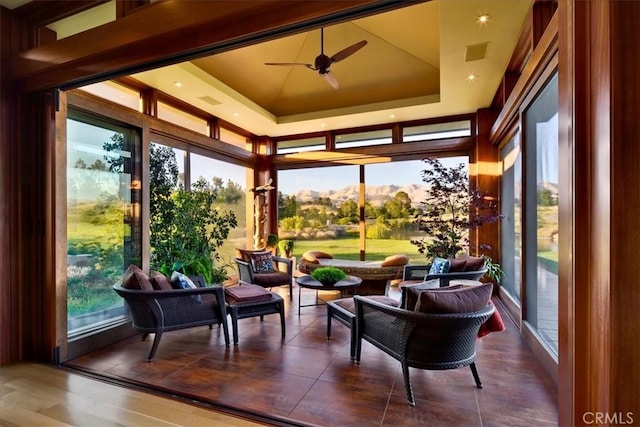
pixel 173 31
pixel 44 12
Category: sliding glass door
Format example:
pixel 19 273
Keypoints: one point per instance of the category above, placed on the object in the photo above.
pixel 541 223
pixel 103 219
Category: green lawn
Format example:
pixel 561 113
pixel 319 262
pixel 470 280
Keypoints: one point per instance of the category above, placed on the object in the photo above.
pixel 377 249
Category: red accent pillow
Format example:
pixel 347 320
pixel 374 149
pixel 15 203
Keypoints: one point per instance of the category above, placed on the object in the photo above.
pixel 493 324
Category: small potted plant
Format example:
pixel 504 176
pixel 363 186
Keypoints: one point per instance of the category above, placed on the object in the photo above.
pixel 286 247
pixel 328 276
pixel 494 273
pixel 272 244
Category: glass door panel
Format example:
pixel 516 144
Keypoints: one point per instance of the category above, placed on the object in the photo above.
pixel 103 220
pixel 511 232
pixel 318 208
pixel 541 140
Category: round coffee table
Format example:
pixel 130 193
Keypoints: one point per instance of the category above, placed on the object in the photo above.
pixel 349 282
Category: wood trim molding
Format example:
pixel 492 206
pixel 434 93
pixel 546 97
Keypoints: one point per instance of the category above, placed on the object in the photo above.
pixel 171 31
pixel 542 54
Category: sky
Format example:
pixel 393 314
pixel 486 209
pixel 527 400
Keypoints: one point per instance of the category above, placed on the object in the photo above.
pixel 338 177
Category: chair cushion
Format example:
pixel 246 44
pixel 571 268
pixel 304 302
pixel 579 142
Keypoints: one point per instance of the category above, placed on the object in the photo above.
pixel 464 300
pixel 350 305
pixel 394 260
pixel 457 265
pixel 135 278
pixel 246 292
pixel 413 293
pixel 160 281
pixel 439 266
pixel 262 262
pixel 275 278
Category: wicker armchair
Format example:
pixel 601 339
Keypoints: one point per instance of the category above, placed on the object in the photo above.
pixel 420 340
pixel 160 311
pixel 267 280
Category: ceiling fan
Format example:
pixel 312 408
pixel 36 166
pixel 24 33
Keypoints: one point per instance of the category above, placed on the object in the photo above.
pixel 323 62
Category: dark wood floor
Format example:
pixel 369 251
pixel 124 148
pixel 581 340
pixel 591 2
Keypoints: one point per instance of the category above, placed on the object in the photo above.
pixel 307 380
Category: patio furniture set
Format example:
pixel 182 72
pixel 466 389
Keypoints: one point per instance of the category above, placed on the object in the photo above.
pixel 435 325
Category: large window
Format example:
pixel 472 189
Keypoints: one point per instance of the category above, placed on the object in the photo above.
pixel 103 219
pixel 541 154
pixel 229 181
pixel 320 208
pixel 511 234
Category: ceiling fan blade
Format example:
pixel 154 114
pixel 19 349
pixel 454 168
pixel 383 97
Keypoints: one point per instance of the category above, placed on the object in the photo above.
pixel 348 51
pixel 289 64
pixel 331 79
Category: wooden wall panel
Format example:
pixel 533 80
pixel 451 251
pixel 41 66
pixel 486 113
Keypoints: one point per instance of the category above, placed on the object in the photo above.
pixel 10 337
pixel 599 280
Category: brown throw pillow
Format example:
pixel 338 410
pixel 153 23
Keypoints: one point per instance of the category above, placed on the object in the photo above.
pixel 395 260
pixel 474 263
pixel 465 300
pixel 160 281
pixel 457 265
pixel 135 278
pixel 413 294
pixel 312 256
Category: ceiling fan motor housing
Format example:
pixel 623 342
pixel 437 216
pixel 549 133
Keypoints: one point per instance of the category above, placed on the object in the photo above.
pixel 322 63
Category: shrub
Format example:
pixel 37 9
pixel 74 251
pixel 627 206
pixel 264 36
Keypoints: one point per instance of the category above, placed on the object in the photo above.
pixel 378 231
pixel 328 275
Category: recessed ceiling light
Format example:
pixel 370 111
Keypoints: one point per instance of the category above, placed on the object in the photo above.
pixel 236 114
pixel 393 116
pixel 178 84
pixel 472 77
pixel 484 18
pixel 323 125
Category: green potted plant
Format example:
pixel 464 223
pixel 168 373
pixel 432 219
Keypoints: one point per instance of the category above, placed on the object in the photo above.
pixel 286 247
pixel 494 273
pixel 272 244
pixel 328 276
pixel 187 228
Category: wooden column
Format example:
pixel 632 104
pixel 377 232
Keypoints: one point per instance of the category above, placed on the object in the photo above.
pixel 485 176
pixel 599 363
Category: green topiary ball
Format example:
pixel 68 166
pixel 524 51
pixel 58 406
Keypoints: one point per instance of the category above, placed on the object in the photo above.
pixel 328 275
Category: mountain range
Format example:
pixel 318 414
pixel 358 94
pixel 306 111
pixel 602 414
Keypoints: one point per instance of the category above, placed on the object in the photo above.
pixel 376 194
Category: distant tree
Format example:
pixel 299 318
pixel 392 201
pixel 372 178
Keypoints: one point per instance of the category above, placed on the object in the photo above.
pixel 287 206
pixel 546 198
pixel 349 211
pixel 80 164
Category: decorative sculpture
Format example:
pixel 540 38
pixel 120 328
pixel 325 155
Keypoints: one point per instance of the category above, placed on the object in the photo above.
pixel 260 214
